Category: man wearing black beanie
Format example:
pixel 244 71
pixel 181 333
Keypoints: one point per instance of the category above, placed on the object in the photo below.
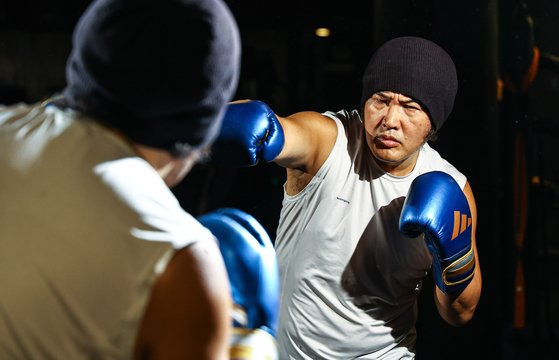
pixel 369 209
pixel 97 258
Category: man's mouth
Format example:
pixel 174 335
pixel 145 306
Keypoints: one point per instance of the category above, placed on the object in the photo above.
pixel 385 141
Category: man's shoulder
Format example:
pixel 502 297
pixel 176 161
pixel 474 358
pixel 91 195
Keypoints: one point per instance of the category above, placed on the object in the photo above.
pixel 350 121
pixel 344 115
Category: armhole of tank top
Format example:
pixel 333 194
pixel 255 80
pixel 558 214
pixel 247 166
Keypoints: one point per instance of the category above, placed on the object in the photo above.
pixel 337 144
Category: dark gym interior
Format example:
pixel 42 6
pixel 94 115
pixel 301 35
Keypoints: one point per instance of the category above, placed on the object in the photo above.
pixel 501 133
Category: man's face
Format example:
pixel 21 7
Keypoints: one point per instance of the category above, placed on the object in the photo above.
pixel 396 127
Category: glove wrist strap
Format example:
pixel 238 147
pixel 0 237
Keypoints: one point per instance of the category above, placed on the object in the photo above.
pixel 460 271
pixel 252 344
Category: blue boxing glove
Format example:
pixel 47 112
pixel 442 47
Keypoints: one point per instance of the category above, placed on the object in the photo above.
pixel 252 268
pixel 436 206
pixel 250 133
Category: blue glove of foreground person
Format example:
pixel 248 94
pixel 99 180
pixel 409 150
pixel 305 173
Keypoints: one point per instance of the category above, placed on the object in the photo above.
pixel 252 267
pixel 436 206
pixel 250 133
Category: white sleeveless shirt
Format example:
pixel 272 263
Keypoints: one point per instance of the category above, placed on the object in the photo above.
pixel 349 279
pixel 86 228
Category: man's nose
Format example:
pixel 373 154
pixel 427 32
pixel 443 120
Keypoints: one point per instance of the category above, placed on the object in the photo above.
pixel 391 118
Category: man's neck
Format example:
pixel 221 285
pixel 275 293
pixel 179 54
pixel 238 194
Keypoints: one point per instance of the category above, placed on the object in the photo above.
pixel 401 168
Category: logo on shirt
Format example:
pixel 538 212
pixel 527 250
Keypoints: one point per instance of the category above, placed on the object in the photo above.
pixel 461 223
pixel 344 200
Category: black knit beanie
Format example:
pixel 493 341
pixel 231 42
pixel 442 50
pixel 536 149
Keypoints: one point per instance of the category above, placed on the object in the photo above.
pixel 160 71
pixel 417 68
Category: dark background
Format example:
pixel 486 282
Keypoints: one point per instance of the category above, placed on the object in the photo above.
pixel 287 66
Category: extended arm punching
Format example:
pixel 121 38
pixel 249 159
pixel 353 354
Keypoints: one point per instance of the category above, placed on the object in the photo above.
pixel 252 133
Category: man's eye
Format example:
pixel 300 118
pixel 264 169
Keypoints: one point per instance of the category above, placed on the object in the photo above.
pixel 380 101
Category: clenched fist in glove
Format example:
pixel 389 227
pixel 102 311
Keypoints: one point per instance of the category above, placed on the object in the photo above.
pixel 250 133
pixel 436 207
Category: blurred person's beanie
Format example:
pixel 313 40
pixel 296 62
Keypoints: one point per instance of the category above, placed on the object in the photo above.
pixel 160 71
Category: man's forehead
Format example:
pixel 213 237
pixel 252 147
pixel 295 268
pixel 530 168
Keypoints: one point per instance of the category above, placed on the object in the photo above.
pixel 392 94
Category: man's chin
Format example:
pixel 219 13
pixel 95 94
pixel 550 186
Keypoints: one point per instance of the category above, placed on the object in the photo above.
pixel 385 156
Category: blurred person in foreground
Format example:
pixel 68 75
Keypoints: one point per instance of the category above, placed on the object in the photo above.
pixel 97 258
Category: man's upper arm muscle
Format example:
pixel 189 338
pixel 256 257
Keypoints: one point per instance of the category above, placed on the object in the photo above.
pixel 188 315
pixel 309 138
